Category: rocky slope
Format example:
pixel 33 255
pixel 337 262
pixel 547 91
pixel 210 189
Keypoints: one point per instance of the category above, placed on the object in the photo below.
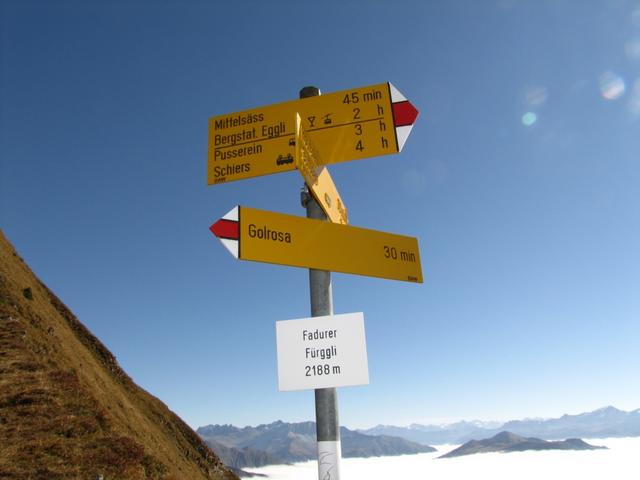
pixel 67 409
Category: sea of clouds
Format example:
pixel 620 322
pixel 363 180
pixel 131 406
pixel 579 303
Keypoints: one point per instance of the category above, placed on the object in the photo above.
pixel 620 462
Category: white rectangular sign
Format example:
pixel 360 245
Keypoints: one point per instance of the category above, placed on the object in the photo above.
pixel 322 352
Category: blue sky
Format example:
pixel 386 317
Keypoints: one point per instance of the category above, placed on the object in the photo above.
pixel 521 180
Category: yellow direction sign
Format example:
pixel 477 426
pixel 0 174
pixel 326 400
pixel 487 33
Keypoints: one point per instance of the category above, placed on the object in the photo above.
pixel 347 125
pixel 317 177
pixel 261 236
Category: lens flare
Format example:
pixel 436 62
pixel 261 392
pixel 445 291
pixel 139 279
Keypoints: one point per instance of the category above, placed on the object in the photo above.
pixel 536 96
pixel 635 17
pixel 632 49
pixel 529 118
pixel 634 100
pixel 612 86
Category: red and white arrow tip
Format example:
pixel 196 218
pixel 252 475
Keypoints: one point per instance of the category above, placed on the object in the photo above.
pixel 227 229
pixel 404 115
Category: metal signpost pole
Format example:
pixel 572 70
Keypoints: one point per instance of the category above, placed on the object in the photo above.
pixel 327 425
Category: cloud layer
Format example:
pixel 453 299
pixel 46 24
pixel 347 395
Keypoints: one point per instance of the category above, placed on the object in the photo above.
pixel 619 462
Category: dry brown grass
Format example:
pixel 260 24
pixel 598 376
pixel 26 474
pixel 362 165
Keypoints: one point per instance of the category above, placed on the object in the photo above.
pixel 67 409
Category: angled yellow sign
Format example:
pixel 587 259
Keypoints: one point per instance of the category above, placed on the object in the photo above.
pixel 317 177
pixel 262 236
pixel 347 125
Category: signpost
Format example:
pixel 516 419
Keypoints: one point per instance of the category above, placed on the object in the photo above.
pixel 262 236
pixel 322 352
pixel 347 125
pixel 325 351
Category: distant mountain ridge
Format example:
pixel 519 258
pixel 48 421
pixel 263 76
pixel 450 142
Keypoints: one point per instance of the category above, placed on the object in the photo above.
pixel 506 442
pixel 602 423
pixel 281 442
pixel 436 434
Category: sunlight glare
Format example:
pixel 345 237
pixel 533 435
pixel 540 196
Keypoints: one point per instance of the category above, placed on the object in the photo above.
pixel 536 96
pixel 634 100
pixel 529 118
pixel 632 49
pixel 612 86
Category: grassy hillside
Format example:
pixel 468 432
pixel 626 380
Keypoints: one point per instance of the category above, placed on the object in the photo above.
pixel 67 409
